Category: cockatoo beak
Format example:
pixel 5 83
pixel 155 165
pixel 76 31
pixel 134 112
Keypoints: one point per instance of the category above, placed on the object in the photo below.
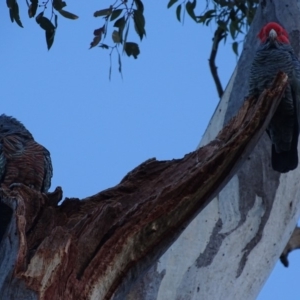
pixel 273 34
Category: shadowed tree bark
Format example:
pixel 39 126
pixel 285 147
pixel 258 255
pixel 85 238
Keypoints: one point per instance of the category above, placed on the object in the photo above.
pixel 98 247
pixel 232 246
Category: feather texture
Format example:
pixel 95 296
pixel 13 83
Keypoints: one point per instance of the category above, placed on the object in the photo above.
pixel 22 160
pixel 275 54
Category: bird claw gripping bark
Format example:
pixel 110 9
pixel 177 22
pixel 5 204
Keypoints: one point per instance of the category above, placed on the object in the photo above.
pixel 273 55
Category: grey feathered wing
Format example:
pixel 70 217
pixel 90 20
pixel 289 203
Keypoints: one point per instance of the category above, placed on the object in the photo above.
pixel 288 160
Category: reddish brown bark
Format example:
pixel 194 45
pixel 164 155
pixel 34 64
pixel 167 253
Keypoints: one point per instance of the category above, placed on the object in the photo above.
pixel 97 247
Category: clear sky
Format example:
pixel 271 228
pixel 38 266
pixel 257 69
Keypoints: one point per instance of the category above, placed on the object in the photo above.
pixel 98 130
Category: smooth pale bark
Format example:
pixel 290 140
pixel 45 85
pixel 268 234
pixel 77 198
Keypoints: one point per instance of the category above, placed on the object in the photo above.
pixel 231 248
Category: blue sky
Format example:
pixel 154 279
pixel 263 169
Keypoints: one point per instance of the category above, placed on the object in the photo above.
pixel 98 130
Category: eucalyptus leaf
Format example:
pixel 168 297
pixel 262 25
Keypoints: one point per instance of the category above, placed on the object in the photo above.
pixel 120 23
pixel 68 15
pixel 232 29
pixel 116 37
pixel 104 46
pixel 14 14
pixel 178 12
pixel 46 24
pixel 103 12
pixel 132 49
pixel 55 21
pixel 190 6
pixel 59 4
pixel 235 46
pixel 10 3
pixel 95 41
pixel 120 63
pixel 139 22
pixel 32 9
pixel 115 14
pixel 139 5
pixel 11 15
pixel 50 38
pixel 171 2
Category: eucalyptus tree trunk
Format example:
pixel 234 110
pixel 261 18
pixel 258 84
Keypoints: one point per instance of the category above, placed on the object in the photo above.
pixel 101 247
pixel 231 248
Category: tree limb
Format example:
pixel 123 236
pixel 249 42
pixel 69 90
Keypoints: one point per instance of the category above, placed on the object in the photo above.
pixel 97 247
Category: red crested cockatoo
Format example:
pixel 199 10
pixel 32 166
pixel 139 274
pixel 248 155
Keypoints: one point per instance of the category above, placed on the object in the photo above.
pixel 273 55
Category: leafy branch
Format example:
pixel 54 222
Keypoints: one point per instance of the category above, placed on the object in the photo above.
pixel 120 14
pixel 44 22
pixel 231 17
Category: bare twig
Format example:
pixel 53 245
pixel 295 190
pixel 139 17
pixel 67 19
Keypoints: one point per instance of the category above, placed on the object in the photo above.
pixel 218 36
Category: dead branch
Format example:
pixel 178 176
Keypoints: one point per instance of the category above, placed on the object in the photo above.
pixel 97 247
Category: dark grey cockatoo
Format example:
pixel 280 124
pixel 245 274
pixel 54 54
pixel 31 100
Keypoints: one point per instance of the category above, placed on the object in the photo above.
pixel 22 160
pixel 273 55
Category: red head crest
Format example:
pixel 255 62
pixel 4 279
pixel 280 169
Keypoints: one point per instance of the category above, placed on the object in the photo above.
pixel 282 35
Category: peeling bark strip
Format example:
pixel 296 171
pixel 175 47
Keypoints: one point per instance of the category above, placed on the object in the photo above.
pixel 96 248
